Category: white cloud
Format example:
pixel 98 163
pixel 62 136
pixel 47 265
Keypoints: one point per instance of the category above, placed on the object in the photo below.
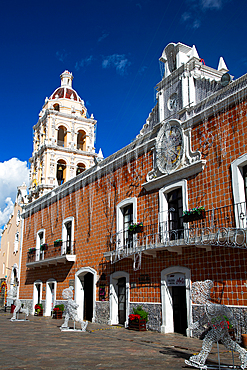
pixel 4 215
pixel 103 36
pixel 12 174
pixel 196 23
pixel 84 62
pixel 211 4
pixel 142 70
pixel 186 16
pixel 196 8
pixel 61 55
pixel 118 61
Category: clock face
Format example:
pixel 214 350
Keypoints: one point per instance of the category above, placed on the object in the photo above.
pixel 173 102
pixel 169 147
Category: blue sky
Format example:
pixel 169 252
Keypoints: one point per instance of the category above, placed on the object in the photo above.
pixel 112 48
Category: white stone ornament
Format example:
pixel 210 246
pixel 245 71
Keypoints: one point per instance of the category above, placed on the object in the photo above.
pixel 71 311
pixel 169 147
pixel 173 102
pixel 215 317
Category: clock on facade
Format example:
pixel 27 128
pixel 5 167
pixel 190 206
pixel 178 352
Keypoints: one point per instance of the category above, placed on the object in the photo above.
pixel 169 147
pixel 173 102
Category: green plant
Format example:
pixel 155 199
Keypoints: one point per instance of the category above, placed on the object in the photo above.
pixel 58 243
pixel 44 247
pixel 38 307
pixel 194 211
pixel 31 250
pixel 141 312
pixel 138 226
pixel 60 307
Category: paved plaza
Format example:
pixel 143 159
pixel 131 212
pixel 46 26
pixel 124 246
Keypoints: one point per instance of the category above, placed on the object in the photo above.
pixel 39 344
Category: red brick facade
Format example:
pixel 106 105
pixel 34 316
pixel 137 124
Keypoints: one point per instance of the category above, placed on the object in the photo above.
pixel 92 199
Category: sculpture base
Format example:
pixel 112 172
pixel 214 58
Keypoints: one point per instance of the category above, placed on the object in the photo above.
pixel 72 329
pixel 190 363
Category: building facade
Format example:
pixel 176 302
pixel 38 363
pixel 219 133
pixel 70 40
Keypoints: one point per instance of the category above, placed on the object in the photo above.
pixel 11 242
pixel 122 232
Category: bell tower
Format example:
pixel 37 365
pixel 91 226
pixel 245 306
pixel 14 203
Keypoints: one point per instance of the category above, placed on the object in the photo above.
pixel 63 140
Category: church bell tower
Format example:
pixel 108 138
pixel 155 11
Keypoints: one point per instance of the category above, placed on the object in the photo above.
pixel 63 140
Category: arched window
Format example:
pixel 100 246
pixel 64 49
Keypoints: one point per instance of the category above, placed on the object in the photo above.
pixel 61 172
pixel 81 140
pixel 40 242
pixel 80 168
pixel 62 136
pixel 18 217
pixel 56 107
pixel 16 243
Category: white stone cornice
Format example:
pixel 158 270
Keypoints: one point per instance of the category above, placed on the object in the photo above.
pixel 179 174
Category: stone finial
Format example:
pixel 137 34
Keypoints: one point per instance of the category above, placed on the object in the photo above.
pixel 194 53
pixel 100 155
pixel 222 65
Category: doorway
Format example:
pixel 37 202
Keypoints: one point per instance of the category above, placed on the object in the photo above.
pixel 179 309
pixel 50 297
pixel 37 293
pixel 176 300
pixel 88 297
pixel 119 298
pixel 85 293
pixel 122 300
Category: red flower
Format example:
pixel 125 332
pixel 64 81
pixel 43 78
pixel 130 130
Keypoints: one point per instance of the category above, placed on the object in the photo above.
pixel 134 317
pixel 56 309
pixel 37 307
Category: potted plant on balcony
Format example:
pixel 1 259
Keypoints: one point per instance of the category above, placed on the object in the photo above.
pixel 58 243
pixel 138 320
pixel 31 250
pixel 44 247
pixel 136 228
pixel 58 311
pixel 197 213
pixel 38 309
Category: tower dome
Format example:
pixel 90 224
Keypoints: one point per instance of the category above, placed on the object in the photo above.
pixel 65 91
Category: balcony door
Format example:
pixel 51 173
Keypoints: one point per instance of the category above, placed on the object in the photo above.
pixel 127 221
pixel 39 242
pixel 68 236
pixel 175 213
pixel 173 201
pixel 245 182
pixel 68 226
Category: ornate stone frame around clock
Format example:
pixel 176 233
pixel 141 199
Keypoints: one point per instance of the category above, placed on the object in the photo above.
pixel 190 164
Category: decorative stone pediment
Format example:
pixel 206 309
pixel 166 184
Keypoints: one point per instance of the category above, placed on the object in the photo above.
pixel 173 157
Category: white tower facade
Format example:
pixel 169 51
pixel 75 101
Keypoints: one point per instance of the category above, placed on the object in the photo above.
pixel 63 140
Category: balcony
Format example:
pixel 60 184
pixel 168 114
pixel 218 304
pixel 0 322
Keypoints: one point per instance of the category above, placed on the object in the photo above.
pixel 52 255
pixel 224 226
pixel 61 143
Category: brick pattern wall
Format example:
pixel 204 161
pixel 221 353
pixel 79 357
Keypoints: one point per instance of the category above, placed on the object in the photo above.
pixel 221 140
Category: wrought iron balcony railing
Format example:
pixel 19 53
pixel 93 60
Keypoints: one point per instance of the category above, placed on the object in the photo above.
pixel 221 226
pixel 52 252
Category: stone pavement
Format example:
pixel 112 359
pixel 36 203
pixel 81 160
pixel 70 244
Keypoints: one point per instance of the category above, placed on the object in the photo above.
pixel 39 344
